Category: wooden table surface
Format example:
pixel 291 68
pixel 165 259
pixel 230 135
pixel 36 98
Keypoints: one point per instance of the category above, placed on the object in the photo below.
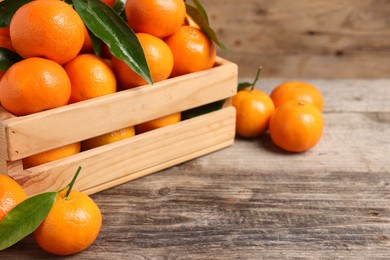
pixel 254 201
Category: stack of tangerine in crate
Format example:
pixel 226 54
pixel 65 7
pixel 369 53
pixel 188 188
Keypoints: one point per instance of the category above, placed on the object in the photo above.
pixel 131 158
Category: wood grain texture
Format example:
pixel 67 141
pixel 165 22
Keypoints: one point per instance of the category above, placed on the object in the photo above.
pixel 305 38
pixel 254 201
pixel 134 157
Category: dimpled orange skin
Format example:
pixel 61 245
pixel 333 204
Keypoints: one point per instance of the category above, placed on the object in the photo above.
pixel 71 226
pixel 51 155
pixel 157 123
pixel 11 194
pixel 46 28
pixel 253 110
pixel 192 51
pixel 158 57
pixel 297 90
pixel 156 17
pixel 296 126
pixel 33 85
pixel 90 77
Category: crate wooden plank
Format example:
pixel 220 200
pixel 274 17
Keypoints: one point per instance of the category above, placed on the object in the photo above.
pixel 135 157
pixel 50 129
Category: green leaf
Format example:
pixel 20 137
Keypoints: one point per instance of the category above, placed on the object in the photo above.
pixel 8 58
pixel 25 218
pixel 96 43
pixel 197 111
pixel 107 25
pixel 243 86
pixel 201 10
pixel 198 18
pixel 119 8
pixel 7 10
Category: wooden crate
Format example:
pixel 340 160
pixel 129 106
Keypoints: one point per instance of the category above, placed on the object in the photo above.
pixel 122 161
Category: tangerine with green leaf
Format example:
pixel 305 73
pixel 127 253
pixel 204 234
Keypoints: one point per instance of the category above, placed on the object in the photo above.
pixel 158 57
pixel 253 110
pixel 72 224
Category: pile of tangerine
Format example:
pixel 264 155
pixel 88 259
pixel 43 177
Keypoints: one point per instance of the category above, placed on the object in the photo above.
pixel 59 66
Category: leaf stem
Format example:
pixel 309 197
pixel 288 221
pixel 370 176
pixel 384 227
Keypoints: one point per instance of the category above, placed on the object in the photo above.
pixel 70 186
pixel 256 78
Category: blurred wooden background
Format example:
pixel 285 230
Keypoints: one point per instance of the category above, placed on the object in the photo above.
pixel 305 38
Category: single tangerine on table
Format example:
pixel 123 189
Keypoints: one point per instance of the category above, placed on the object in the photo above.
pixel 157 123
pixel 158 57
pixel 156 17
pixel 90 77
pixel 192 51
pixel 11 194
pixel 72 225
pixel 51 155
pixel 299 91
pixel 253 110
pixel 108 138
pixel 33 85
pixel 296 126
pixel 45 28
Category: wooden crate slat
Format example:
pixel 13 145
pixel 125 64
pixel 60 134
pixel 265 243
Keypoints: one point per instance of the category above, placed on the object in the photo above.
pixel 140 155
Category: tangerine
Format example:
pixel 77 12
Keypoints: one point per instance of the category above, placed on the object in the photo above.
pixel 33 85
pixel 108 138
pixel 11 194
pixel 156 17
pixel 253 109
pixel 51 155
pixel 72 225
pixel 157 123
pixel 297 90
pixel 192 51
pixel 45 28
pixel 296 126
pixel 158 57
pixel 90 77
